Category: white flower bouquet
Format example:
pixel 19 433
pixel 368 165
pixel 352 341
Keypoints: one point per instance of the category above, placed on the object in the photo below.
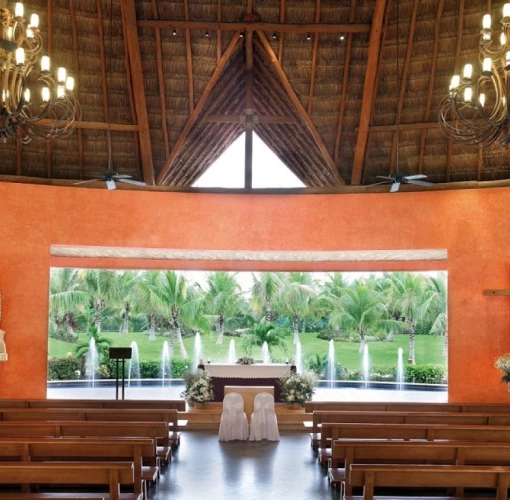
pixel 503 364
pixel 297 388
pixel 199 387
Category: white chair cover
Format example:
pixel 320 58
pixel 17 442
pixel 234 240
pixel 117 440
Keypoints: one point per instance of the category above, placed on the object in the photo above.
pixel 263 420
pixel 233 424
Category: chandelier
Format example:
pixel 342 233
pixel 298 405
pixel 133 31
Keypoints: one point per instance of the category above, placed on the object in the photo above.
pixel 476 109
pixel 33 103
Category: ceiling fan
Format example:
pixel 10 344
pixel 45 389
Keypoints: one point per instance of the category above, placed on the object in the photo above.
pixel 398 178
pixel 111 177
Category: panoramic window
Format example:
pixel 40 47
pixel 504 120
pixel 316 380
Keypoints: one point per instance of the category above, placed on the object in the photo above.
pixel 378 331
pixel 268 171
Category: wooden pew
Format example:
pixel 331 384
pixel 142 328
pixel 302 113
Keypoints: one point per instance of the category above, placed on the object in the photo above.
pixel 347 452
pixel 101 414
pixel 373 476
pixel 79 449
pixel 153 430
pixel 386 417
pixel 133 404
pixel 109 474
pixel 427 432
pixel 311 406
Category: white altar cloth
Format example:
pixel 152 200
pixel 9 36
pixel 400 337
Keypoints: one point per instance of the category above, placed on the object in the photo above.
pixel 227 370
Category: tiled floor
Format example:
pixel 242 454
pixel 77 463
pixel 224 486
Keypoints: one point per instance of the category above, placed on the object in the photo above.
pixel 204 468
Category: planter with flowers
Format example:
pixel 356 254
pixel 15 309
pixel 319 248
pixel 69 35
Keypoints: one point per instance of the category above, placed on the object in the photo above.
pixel 297 388
pixel 198 388
pixel 245 360
pixel 503 364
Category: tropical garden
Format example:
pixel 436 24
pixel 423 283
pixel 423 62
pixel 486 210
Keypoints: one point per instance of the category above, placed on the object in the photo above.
pixel 385 311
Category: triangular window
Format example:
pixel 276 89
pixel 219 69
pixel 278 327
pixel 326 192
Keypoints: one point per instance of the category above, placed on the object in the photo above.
pixel 268 171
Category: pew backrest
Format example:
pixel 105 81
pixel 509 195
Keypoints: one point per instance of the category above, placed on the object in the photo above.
pixel 176 404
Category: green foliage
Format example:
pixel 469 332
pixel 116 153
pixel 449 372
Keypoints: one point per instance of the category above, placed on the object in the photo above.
pixel 150 369
pixel 318 364
pixel 64 368
pixel 425 374
pixel 261 333
pixel 382 373
pixel 297 388
pixel 180 366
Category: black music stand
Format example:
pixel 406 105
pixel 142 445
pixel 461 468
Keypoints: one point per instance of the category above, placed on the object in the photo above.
pixel 120 354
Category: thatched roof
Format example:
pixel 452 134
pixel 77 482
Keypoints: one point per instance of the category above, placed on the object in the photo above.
pixel 170 79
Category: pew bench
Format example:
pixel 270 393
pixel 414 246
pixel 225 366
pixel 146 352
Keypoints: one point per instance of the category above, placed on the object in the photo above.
pixel 348 452
pixel 110 475
pixel 79 449
pixel 372 477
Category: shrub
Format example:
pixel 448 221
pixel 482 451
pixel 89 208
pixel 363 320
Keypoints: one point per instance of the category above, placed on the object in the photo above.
pixel 383 373
pixel 150 369
pixel 425 374
pixel 329 334
pixel 64 368
pixel 179 366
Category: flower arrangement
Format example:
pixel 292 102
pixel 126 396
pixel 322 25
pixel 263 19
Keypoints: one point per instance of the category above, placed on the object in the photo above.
pixel 503 364
pixel 297 387
pixel 199 387
pixel 245 360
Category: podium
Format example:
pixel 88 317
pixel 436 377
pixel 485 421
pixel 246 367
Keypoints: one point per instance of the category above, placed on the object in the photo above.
pixel 120 354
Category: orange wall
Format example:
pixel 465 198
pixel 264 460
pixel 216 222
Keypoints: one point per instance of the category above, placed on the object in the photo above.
pixel 474 226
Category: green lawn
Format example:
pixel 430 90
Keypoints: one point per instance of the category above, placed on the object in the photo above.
pixel 428 348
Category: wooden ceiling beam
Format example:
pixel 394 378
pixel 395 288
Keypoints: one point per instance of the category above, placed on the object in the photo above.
pixel 345 81
pixel 255 26
pixel 432 80
pixel 131 30
pixel 299 107
pixel 368 90
pixel 256 119
pixel 198 108
pixel 314 57
pixel 460 27
pixel 76 69
pixel 403 84
pixel 189 59
pixel 161 80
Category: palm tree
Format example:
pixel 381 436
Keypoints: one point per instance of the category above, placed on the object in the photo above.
pixel 331 291
pixel 407 296
pixel 261 333
pixel 148 300
pixel 102 345
pixel 180 305
pixel 265 291
pixel 103 288
pixel 65 295
pixel 295 299
pixel 128 280
pixel 223 299
pixel 436 308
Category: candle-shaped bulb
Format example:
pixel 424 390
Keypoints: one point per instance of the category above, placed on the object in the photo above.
pixel 20 56
pixel 506 10
pixel 61 91
pixel 468 94
pixel 61 75
pixel 34 21
pixel 482 100
pixel 502 39
pixel 45 63
pixel 27 95
pixel 455 82
pixel 486 22
pixel 70 83
pixel 468 71
pixel 507 58
pixel 487 65
pixel 45 94
pixel 19 10
pixel 10 32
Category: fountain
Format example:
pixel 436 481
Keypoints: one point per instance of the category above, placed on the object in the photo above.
pixel 266 357
pixel 198 349
pixel 400 369
pixel 366 374
pixel 299 358
pixel 232 358
pixel 331 364
pixel 134 365
pixel 166 367
pixel 91 362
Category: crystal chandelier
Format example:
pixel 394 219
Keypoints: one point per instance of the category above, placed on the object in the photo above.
pixel 476 110
pixel 33 104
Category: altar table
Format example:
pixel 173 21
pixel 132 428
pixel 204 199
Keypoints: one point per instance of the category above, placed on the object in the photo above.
pixel 223 374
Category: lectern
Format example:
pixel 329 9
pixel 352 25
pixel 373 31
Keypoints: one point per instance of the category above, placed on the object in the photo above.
pixel 120 354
